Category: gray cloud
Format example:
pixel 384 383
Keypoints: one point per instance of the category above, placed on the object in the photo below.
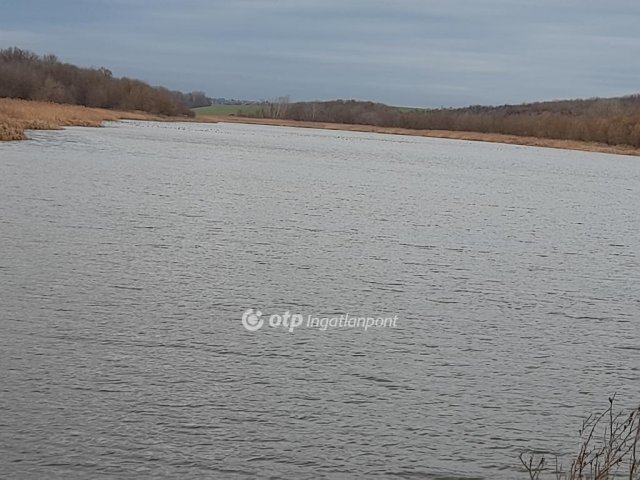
pixel 409 52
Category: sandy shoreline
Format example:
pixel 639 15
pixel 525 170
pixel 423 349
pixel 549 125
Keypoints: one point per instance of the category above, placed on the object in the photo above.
pixel 16 116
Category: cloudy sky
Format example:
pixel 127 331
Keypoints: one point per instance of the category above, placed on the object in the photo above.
pixel 402 52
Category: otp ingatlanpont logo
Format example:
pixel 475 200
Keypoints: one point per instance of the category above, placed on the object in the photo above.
pixel 251 320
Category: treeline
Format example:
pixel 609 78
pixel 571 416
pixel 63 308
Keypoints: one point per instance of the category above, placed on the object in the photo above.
pixel 614 121
pixel 232 101
pixel 192 99
pixel 28 76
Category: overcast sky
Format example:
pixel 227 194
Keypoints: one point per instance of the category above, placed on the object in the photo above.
pixel 402 52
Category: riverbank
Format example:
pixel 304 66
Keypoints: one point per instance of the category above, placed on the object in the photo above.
pixel 450 134
pixel 16 116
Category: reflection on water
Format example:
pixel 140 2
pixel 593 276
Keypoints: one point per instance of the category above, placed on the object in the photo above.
pixel 129 254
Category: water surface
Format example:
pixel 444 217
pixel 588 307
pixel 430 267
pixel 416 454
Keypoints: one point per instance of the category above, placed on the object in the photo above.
pixel 129 253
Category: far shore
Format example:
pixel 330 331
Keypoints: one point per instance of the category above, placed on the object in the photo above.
pixel 17 116
pixel 450 134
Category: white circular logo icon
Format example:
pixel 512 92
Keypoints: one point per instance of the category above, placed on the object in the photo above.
pixel 251 320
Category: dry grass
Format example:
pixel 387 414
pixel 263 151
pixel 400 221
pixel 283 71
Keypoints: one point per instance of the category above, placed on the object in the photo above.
pixel 456 135
pixel 16 116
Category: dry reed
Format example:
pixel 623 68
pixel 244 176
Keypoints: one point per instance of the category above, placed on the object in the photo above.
pixel 609 449
pixel 16 116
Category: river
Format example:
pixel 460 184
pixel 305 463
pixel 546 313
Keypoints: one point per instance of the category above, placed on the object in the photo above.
pixel 130 253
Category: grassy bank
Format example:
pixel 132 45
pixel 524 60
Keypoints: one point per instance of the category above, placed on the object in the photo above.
pixel 16 116
pixel 450 134
pixel 224 110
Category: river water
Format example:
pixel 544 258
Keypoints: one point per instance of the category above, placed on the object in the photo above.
pixel 129 254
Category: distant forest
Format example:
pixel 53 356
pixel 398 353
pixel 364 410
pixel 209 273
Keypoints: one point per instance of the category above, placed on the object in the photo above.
pixel 614 121
pixel 27 76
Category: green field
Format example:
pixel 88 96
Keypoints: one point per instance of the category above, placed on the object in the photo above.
pixel 237 110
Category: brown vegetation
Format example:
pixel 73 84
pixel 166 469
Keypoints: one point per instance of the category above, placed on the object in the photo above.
pixel 609 448
pixel 610 121
pixel 16 116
